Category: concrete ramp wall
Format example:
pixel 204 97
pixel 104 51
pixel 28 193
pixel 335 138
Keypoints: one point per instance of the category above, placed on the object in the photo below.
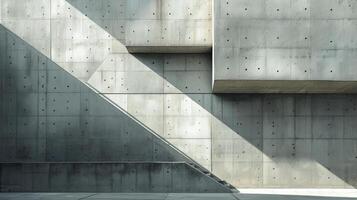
pixel 160 177
pixel 48 116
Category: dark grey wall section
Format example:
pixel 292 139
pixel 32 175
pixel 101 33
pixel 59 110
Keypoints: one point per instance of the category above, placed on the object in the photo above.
pixel 105 177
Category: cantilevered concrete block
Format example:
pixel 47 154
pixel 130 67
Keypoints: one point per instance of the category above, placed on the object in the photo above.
pixel 284 46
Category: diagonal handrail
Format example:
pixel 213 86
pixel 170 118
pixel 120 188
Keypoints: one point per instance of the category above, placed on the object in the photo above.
pixel 189 160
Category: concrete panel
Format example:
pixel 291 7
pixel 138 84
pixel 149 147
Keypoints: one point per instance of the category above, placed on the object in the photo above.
pixel 27 104
pixel 249 173
pixel 36 32
pixel 163 23
pixel 188 73
pixel 327 127
pixel 33 9
pixel 184 105
pixel 187 127
pixel 177 82
pixel 198 149
pixel 222 150
pixel 328 152
pixel 288 149
pixel 58 83
pixel 323 177
pixel 63 104
pixel 245 151
pixel 273 174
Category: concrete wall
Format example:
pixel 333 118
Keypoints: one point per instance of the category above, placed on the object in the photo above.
pixel 48 115
pixel 248 140
pixel 153 25
pixel 286 140
pixel 260 46
pixel 105 177
pixel 254 140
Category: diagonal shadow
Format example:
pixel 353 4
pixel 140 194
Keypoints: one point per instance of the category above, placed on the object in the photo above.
pixel 49 115
pixel 57 118
pixel 295 133
pixel 77 49
pixel 290 131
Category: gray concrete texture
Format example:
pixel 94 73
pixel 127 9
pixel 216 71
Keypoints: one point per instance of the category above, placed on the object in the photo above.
pixel 261 44
pixel 154 25
pixel 252 140
pixel 106 177
pixel 47 116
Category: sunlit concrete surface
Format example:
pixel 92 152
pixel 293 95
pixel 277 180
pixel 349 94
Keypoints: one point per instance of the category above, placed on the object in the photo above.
pixel 162 196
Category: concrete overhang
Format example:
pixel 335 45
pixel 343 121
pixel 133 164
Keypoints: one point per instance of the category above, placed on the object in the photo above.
pixel 284 86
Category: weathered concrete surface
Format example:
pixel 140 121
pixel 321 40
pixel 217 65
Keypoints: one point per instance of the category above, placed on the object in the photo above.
pixel 250 140
pixel 294 141
pixel 154 25
pixel 309 42
pixel 106 177
pixel 47 115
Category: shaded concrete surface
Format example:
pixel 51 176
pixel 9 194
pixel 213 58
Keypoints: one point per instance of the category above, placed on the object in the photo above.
pixel 106 177
pixel 157 196
pixel 284 86
pixel 47 115
pixel 119 196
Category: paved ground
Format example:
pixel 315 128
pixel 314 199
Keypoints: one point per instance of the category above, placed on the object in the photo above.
pixel 155 196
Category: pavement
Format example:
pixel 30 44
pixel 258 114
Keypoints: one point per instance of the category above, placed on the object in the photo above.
pixel 159 196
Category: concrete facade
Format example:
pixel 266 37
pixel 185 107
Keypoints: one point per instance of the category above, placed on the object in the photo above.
pixel 285 46
pixel 250 140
